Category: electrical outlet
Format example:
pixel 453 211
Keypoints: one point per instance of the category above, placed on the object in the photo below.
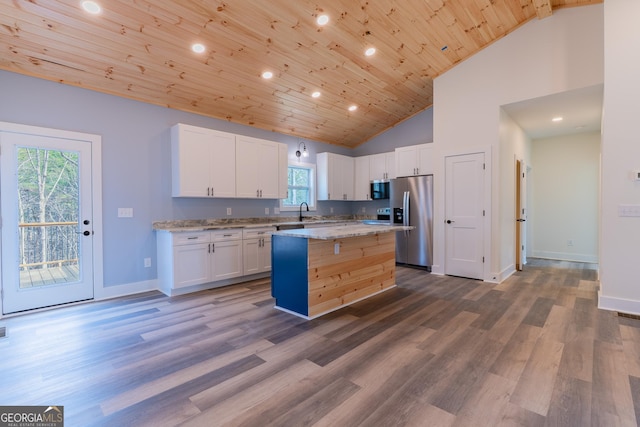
pixel 266 211
pixel 364 209
pixel 228 211
pixel 147 262
pixel 336 248
pixel 330 210
pixel 276 210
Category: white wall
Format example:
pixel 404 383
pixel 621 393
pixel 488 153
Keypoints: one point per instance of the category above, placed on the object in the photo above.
pixel 620 239
pixel 556 54
pixel 565 191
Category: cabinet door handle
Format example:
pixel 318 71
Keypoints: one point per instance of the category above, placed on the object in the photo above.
pixel 211 191
pixel 260 193
pixel 192 238
pixel 209 248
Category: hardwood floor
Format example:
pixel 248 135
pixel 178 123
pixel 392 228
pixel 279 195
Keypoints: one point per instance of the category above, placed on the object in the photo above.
pixel 435 351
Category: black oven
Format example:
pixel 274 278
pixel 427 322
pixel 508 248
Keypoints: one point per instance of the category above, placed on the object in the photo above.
pixel 379 190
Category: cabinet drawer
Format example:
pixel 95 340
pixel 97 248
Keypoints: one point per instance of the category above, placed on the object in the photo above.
pixel 224 235
pixel 190 238
pixel 256 233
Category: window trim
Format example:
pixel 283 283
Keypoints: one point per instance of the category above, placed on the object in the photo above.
pixel 314 201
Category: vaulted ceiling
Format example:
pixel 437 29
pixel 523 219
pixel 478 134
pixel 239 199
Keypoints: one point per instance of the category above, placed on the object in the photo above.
pixel 142 49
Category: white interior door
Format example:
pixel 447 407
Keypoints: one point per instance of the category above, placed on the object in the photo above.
pixel 464 230
pixel 47 221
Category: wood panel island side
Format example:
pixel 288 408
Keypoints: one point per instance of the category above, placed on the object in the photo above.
pixel 319 270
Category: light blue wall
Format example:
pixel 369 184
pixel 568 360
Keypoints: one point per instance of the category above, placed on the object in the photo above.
pixel 415 130
pixel 136 162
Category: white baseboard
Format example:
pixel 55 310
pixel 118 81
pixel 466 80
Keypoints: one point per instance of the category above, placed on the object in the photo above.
pixel 618 304
pixel 126 289
pixel 501 275
pixel 565 256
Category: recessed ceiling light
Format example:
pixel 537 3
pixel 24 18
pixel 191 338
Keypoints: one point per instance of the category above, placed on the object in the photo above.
pixel 353 107
pixel 91 7
pixel 370 51
pixel 315 94
pixel 197 48
pixel 556 119
pixel 322 20
pixel 267 75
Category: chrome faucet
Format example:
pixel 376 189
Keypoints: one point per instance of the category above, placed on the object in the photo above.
pixel 303 203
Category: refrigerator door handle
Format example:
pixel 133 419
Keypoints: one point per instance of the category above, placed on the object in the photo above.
pixel 405 208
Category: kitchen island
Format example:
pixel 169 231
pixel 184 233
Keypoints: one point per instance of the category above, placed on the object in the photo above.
pixel 317 271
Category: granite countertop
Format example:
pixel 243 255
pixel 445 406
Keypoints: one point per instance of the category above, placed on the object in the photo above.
pixel 330 233
pixel 221 224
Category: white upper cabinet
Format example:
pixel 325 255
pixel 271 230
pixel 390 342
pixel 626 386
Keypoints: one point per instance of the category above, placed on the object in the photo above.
pixel 335 176
pixel 257 168
pixel 362 179
pixel 382 166
pixel 202 162
pixel 283 170
pixel 414 160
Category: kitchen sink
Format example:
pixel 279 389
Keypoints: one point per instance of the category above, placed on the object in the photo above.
pixel 289 226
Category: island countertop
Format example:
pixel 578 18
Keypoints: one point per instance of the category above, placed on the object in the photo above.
pixel 341 232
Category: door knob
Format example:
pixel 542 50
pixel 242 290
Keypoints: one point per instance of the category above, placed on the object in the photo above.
pixel 450 221
pixel 85 222
pixel 520 220
pixel 87 233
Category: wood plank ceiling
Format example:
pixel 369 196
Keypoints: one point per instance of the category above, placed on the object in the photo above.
pixel 141 49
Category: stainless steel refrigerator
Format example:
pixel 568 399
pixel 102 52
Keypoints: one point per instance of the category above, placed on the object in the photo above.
pixel 411 203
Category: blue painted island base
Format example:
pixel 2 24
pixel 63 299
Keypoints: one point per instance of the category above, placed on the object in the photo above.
pixel 312 277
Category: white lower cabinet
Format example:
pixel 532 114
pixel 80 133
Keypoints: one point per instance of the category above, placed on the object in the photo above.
pixel 226 259
pixel 187 259
pixel 257 250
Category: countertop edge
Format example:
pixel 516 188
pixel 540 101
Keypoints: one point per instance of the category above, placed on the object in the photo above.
pixel 330 233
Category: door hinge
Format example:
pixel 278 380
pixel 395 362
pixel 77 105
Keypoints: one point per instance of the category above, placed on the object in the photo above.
pixel 483 260
pixel 483 166
pixel 482 212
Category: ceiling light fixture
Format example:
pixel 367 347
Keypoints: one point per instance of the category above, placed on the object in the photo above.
pixel 557 119
pixel 304 152
pixel 91 7
pixel 267 75
pixel 353 107
pixel 370 51
pixel 322 20
pixel 315 94
pixel 197 48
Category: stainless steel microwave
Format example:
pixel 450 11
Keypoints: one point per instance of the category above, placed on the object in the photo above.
pixel 379 190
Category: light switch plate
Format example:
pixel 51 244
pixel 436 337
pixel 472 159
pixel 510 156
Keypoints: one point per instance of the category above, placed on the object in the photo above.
pixel 125 212
pixel 228 211
pixel 629 210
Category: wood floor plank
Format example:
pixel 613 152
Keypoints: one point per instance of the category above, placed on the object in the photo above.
pixel 514 356
pixel 487 405
pixel 570 402
pixel 612 403
pixel 537 315
pixel 631 348
pixel 634 383
pixel 535 386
